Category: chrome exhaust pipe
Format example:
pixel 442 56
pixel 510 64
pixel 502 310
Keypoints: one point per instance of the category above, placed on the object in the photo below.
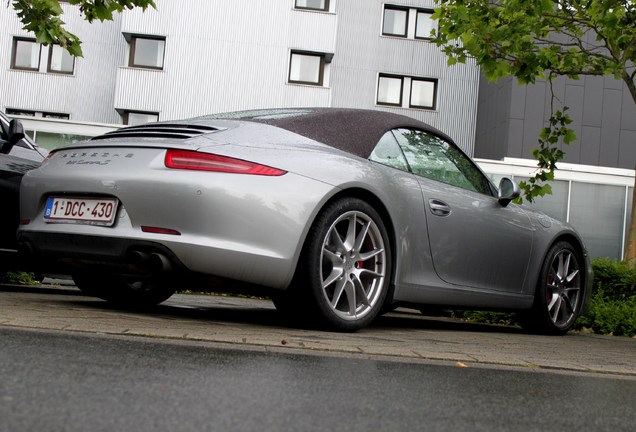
pixel 138 258
pixel 159 263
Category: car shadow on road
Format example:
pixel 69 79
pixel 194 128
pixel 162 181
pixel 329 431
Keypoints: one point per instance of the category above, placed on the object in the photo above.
pixel 258 312
pixel 263 313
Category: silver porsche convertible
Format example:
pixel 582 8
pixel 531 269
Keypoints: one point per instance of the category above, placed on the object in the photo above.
pixel 337 214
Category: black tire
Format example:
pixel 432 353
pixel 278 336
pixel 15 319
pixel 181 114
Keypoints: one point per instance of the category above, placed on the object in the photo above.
pixel 560 292
pixel 345 270
pixel 124 291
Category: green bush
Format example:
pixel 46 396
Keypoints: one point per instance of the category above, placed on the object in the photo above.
pixel 489 317
pixel 612 307
pixel 613 279
pixel 606 316
pixel 20 278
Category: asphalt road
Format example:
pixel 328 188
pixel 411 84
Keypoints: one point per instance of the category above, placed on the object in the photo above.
pixel 74 363
pixel 66 381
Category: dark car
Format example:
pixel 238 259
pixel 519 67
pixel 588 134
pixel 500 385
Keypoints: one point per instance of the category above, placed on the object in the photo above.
pixel 18 154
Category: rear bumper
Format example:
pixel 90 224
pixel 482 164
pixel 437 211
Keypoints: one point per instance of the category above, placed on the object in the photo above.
pixel 62 252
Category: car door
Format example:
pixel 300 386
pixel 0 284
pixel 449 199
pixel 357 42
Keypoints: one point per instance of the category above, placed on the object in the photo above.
pixel 474 240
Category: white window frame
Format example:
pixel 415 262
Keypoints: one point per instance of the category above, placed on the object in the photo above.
pixel 388 103
pixel 133 51
pixel 14 54
pixel 432 26
pixel 324 66
pixel 37 114
pixel 433 104
pixel 406 91
pixel 326 8
pixel 410 22
pixel 127 113
pixel 406 20
pixel 63 53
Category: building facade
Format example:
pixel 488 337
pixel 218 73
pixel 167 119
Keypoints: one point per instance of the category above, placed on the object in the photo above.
pixel 511 116
pixel 199 57
pixel 178 62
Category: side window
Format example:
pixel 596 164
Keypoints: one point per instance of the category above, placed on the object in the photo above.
pixel 432 157
pixel 387 152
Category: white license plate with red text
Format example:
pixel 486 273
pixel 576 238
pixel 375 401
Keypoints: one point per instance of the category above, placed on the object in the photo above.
pixel 95 211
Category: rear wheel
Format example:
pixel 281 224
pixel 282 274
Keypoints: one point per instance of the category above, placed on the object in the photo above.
pixel 345 269
pixel 134 292
pixel 559 295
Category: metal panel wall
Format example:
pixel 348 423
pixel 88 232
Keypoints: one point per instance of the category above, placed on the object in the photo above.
pixel 87 95
pixel 234 54
pixel 362 53
pixel 601 108
pixel 231 55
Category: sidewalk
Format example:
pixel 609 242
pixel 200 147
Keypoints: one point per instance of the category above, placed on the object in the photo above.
pixel 404 334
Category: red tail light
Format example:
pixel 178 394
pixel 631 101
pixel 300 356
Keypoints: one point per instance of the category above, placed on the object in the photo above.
pixel 156 230
pixel 49 156
pixel 191 160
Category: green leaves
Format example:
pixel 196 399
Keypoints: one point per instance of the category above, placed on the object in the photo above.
pixel 42 17
pixel 548 154
pixel 530 39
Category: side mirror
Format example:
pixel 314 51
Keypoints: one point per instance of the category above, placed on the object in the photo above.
pixel 508 190
pixel 14 134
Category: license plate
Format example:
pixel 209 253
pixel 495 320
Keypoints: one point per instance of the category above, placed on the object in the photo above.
pixel 94 211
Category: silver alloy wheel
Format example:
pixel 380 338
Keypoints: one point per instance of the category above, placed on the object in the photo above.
pixel 563 288
pixel 353 266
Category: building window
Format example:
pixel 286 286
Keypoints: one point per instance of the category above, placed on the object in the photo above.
pixel 306 68
pixel 407 92
pixel 146 52
pixel 20 112
pixel 134 118
pixel 54 115
pixel 405 22
pixel 60 61
pixel 39 114
pixel 319 5
pixel 423 93
pixel 26 54
pixel 424 24
pixel 390 90
pixel 395 21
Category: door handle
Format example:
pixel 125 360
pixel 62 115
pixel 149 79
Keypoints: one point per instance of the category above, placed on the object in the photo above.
pixel 439 208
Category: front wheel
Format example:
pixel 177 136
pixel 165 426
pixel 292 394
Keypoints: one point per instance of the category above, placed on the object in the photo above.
pixel 346 266
pixel 129 292
pixel 560 292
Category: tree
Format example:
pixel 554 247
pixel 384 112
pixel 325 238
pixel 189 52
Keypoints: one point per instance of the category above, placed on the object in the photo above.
pixel 42 17
pixel 532 39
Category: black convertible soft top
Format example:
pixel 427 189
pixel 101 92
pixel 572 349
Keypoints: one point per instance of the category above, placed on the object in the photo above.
pixel 356 131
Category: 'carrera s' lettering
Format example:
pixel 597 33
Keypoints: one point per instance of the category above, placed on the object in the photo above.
pixel 94 158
